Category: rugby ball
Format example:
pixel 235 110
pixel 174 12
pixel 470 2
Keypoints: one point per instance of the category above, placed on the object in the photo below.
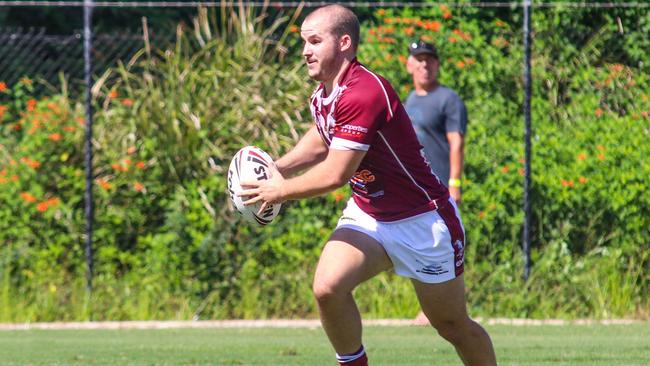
pixel 250 163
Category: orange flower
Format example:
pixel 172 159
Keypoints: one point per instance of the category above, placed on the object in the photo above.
pixel 338 196
pixel 567 183
pixel 3 87
pixel 481 215
pixel 140 165
pixel 28 197
pixel 118 167
pixel 294 28
pixel 583 180
pixel 103 183
pixel 460 64
pixel 582 156
pixel 505 169
pixel 81 121
pixel 447 15
pixel 31 105
pixel 131 150
pixel 433 26
pixel 45 205
pixel 452 39
pixel 36 124
pixel 3 109
pixel 645 114
pixel 409 31
pixel 127 102
pixel 616 68
pixel 598 112
pixel 499 23
pixel 42 206
pixel 522 171
pixel 500 42
pixel 601 157
pixel 69 128
pixel 138 186
pixel 402 59
pixel 113 94
pixel 600 147
pixel 30 162
pixel 381 12
pixel 462 35
pixel 54 137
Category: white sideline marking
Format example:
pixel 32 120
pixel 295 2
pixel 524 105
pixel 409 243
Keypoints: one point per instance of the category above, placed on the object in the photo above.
pixel 289 323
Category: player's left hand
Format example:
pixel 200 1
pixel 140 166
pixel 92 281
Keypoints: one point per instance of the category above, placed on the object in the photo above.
pixel 267 191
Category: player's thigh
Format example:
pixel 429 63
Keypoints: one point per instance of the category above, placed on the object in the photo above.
pixel 442 302
pixel 349 258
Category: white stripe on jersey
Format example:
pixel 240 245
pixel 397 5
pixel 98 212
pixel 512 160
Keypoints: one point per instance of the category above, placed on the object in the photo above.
pixel 343 144
pixel 382 88
pixel 402 165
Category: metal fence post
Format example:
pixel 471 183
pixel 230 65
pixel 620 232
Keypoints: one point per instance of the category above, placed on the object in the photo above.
pixel 527 142
pixel 88 34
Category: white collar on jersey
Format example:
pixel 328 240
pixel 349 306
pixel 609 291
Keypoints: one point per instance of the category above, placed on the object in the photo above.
pixel 333 95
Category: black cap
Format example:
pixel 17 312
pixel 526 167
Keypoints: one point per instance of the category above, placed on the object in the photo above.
pixel 421 47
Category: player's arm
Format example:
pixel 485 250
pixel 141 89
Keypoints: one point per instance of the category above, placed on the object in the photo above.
pixel 310 150
pixel 332 173
pixel 326 176
pixel 456 160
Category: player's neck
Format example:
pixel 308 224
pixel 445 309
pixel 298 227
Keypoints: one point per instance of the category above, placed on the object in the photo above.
pixel 424 89
pixel 329 85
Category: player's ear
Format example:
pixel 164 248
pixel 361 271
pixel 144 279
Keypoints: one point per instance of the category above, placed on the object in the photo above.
pixel 410 67
pixel 345 42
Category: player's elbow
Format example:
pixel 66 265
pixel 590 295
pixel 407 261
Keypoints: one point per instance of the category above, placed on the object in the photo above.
pixel 335 181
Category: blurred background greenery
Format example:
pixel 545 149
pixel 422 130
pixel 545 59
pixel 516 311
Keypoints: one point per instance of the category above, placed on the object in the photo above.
pixel 168 118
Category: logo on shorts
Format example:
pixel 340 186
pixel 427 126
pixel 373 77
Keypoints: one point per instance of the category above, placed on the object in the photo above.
pixel 459 252
pixel 434 268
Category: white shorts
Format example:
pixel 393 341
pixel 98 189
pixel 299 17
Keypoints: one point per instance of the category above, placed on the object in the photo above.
pixel 429 247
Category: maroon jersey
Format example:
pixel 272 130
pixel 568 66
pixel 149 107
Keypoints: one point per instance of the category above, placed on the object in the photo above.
pixel 363 112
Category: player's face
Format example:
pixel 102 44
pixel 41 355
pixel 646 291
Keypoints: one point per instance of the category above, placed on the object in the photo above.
pixel 425 69
pixel 321 50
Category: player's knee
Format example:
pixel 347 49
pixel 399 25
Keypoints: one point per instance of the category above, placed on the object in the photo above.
pixel 324 291
pixel 453 330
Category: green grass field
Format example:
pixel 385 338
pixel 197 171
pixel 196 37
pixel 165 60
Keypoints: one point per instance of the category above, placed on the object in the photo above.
pixel 515 345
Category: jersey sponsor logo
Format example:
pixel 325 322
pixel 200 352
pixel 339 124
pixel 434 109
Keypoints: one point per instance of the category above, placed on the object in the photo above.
pixel 360 180
pixel 352 131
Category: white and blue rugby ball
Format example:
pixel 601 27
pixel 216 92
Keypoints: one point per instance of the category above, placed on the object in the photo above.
pixel 250 163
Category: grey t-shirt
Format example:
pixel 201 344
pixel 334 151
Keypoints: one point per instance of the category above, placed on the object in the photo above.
pixel 433 115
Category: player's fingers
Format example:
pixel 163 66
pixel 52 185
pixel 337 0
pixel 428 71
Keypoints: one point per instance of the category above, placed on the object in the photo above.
pixel 252 201
pixel 262 208
pixel 249 184
pixel 248 192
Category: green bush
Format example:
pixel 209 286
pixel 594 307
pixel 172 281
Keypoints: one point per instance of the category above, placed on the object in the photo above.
pixel 168 244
